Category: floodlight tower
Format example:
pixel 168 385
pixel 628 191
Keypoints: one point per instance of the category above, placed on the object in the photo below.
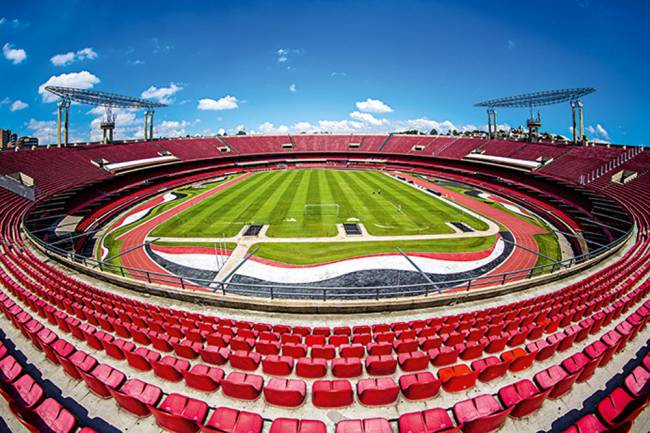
pixel 100 99
pixel 538 99
pixel 107 126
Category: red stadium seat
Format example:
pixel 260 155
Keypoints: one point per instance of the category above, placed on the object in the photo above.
pixel 170 368
pixel 277 365
pixel 226 420
pixel 556 379
pixel 413 361
pixel 102 378
pixel 215 355
pixel 419 386
pixel 248 361
pixel 49 416
pixel 78 361
pixel 457 378
pixel 518 358
pixel 331 393
pixel 285 392
pixel 523 397
pixel 286 425
pixel 435 420
pixel 180 414
pixel 443 356
pixel 378 391
pixel 25 392
pixel 370 425
pixel 579 363
pixel 137 396
pixel 490 368
pixel 311 367
pixel 482 414
pixel 637 383
pixel 381 365
pixel 587 424
pixel 242 385
pixel 347 367
pixel 141 358
pixel 203 377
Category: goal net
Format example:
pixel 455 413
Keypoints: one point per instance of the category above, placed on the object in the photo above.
pixel 321 209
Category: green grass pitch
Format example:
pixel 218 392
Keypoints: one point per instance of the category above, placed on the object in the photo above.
pixel 386 207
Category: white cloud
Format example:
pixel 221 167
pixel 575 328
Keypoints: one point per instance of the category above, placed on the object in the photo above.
pixel 44 130
pixel 63 59
pixel 171 128
pixel 18 105
pixel 511 44
pixel 14 55
pixel 79 80
pixel 5 100
pixel 292 88
pixel 368 118
pixel 338 74
pixel 228 102
pixel 2 20
pixel 269 128
pixel 71 56
pixel 221 131
pixel 598 132
pixel 602 131
pixel 161 94
pixel 284 53
pixel 373 106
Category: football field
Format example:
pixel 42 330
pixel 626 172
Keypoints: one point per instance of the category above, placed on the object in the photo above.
pixel 310 202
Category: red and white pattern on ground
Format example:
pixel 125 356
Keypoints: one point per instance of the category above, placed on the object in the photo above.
pixel 522 231
pixel 208 259
pixel 138 258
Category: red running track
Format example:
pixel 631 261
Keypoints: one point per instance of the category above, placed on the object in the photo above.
pixel 521 230
pixel 138 258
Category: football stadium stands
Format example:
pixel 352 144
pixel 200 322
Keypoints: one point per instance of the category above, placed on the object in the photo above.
pixel 80 355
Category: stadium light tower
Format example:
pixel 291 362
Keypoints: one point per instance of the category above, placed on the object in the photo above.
pixel 100 99
pixel 538 99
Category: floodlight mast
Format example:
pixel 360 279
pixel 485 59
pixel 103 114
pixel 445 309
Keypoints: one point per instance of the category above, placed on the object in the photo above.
pixel 100 99
pixel 538 99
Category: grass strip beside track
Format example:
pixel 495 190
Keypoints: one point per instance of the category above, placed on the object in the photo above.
pixel 300 253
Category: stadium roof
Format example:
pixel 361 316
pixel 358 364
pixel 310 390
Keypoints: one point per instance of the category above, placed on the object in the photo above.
pixel 547 97
pixel 102 99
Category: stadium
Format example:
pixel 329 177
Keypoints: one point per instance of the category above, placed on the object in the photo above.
pixel 326 282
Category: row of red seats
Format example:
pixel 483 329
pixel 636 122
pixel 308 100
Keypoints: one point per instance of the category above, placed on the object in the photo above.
pixel 514 360
pixel 618 410
pixel 181 414
pixel 29 402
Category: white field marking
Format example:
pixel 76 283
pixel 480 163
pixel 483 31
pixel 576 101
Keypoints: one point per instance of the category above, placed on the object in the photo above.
pixel 206 262
pixel 353 219
pixel 104 251
pixel 141 214
pixel 291 220
pixel 383 226
pixel 311 274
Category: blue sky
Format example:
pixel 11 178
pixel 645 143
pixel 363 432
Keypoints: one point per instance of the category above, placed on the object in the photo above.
pixel 345 66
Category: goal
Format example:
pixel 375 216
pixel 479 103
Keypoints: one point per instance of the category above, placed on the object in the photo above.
pixel 321 209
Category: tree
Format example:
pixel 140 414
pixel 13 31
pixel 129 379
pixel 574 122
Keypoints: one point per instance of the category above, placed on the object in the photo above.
pixel 242 132
pixel 434 131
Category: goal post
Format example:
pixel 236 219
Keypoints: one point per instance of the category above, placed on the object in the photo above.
pixel 322 209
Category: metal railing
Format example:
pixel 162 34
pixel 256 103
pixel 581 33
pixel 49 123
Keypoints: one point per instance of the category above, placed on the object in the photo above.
pixel 325 293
